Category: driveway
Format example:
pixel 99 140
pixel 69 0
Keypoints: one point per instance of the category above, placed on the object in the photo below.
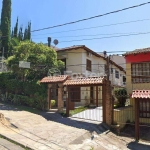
pixel 48 131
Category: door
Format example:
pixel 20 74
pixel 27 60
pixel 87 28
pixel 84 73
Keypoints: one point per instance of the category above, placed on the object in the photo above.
pixel 74 96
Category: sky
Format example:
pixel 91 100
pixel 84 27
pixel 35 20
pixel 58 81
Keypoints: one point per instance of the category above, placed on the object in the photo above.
pixel 46 13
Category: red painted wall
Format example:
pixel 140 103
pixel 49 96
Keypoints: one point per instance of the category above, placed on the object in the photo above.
pixel 134 58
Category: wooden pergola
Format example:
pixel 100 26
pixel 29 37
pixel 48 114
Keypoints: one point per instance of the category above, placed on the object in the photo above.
pixel 68 83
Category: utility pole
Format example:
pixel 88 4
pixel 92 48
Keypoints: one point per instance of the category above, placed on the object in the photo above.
pixel 107 65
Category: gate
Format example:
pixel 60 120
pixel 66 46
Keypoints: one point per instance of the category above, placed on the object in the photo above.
pixel 87 102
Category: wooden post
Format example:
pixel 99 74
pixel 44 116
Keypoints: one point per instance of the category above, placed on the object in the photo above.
pixel 96 96
pixel 137 119
pixel 49 96
pixel 104 101
pixel 60 97
pixel 67 102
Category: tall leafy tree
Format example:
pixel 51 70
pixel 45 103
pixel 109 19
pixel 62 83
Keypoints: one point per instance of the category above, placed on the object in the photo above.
pixel 20 34
pixel 41 57
pixel 5 25
pixel 16 29
pixel 25 34
pixel 29 30
pixel 12 33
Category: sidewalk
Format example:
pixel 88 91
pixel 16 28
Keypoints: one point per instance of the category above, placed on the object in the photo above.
pixel 6 145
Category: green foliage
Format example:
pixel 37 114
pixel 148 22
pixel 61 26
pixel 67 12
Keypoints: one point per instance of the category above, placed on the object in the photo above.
pixel 38 55
pixel 53 103
pixel 16 29
pixel 121 95
pixel 29 93
pixel 5 25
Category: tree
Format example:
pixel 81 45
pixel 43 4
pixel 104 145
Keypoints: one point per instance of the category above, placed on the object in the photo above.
pixel 29 30
pixel 6 24
pixel 121 95
pixel 12 33
pixel 25 34
pixel 41 57
pixel 20 34
pixel 16 29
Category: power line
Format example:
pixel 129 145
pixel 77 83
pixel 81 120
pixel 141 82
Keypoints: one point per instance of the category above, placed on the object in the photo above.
pixel 112 12
pixel 113 24
pixel 105 37
pixel 88 35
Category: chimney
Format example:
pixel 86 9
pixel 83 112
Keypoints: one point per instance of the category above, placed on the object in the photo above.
pixel 49 41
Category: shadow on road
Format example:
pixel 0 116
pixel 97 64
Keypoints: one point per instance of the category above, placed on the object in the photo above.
pixel 138 146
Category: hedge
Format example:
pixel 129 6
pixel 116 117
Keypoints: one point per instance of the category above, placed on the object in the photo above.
pixel 30 93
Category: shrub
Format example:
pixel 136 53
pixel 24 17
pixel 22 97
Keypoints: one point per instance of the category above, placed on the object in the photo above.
pixel 121 95
pixel 53 103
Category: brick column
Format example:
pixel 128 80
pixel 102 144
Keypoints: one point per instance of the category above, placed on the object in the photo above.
pixel 60 97
pixel 108 104
pixel 49 96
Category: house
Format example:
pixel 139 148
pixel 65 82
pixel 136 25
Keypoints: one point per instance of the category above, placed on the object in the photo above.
pixel 138 85
pixel 80 61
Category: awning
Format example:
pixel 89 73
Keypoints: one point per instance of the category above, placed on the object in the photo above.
pixel 84 81
pixel 54 79
pixel 141 94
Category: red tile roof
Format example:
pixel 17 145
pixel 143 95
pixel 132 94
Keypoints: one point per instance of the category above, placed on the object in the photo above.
pixel 137 51
pixel 54 79
pixel 84 81
pixel 141 94
pixel 75 47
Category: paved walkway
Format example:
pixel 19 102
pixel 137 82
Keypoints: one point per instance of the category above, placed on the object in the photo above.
pixel 91 114
pixel 6 145
pixel 49 131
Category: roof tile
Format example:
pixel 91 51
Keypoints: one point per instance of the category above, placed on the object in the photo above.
pixel 84 81
pixel 54 79
pixel 141 94
pixel 137 51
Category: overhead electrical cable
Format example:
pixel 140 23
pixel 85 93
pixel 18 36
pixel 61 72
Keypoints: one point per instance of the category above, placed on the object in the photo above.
pixel 85 19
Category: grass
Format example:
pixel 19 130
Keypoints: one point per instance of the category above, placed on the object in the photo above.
pixel 75 111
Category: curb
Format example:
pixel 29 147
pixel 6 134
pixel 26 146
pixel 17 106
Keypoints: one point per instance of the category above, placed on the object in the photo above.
pixel 13 141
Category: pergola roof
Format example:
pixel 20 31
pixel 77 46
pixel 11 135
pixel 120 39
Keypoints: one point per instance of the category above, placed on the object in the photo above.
pixel 54 79
pixel 141 94
pixel 84 81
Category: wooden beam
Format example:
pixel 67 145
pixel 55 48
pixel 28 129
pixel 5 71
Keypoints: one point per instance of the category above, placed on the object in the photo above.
pixel 96 96
pixel 67 101
pixel 104 102
pixel 137 119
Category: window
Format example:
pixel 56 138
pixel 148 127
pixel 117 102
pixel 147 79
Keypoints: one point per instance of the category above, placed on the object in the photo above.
pixel 88 65
pixel 140 72
pixel 111 70
pixel 117 74
pixel 124 80
pixel 144 108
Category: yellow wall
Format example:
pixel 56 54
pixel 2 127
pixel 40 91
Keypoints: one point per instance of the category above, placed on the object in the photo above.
pixel 122 115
